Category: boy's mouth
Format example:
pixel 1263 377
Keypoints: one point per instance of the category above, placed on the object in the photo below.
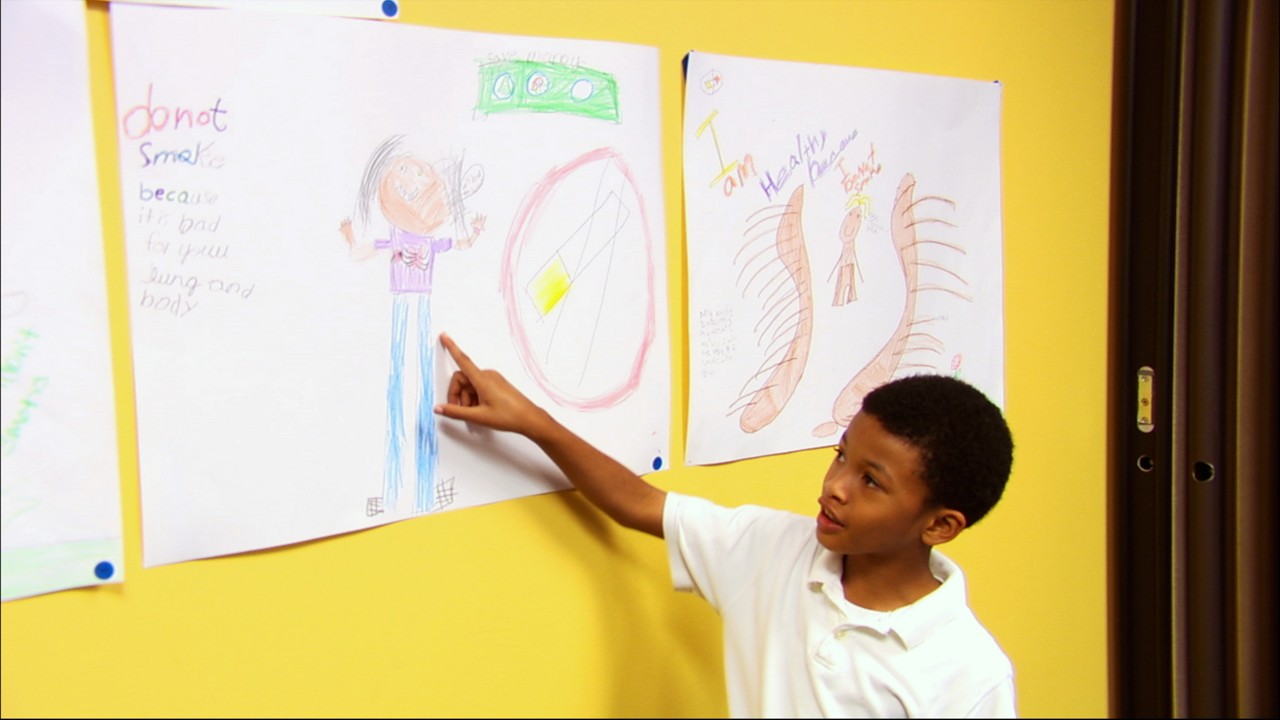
pixel 826 518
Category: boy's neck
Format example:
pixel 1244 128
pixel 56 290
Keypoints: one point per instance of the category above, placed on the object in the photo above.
pixel 884 584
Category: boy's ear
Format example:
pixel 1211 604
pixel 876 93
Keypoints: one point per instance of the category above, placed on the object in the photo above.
pixel 944 527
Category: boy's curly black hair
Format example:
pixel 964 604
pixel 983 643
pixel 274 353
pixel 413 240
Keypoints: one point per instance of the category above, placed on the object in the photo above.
pixel 964 442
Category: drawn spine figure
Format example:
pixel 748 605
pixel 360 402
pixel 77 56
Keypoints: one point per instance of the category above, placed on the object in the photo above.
pixel 906 336
pixel 786 328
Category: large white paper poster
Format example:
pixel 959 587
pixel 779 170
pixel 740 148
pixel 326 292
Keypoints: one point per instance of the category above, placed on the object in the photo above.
pixel 310 201
pixel 61 484
pixel 843 229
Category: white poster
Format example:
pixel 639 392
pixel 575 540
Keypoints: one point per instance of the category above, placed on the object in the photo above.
pixel 374 9
pixel 310 201
pixel 61 523
pixel 843 229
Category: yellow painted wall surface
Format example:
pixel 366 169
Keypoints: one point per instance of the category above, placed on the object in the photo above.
pixel 538 607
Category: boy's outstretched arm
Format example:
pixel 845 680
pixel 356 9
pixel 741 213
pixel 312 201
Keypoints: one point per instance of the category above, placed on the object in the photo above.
pixel 486 398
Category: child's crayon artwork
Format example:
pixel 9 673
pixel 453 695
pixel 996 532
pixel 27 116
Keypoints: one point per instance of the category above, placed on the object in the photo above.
pixel 310 201
pixel 843 229
pixel 59 464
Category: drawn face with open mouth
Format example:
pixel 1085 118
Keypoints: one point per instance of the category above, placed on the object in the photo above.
pixel 412 196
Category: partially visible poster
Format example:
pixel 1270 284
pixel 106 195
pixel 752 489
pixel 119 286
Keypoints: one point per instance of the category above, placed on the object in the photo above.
pixel 310 201
pixel 371 9
pixel 844 229
pixel 61 525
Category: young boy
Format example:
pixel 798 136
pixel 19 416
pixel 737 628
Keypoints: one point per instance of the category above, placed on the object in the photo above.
pixel 851 614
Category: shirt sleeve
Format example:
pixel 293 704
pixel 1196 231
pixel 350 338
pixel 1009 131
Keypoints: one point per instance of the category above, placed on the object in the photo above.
pixel 714 551
pixel 998 703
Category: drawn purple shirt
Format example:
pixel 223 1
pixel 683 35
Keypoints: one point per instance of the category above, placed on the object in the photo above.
pixel 412 259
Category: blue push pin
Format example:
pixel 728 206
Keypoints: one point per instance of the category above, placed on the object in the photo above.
pixel 104 570
pixel 389 8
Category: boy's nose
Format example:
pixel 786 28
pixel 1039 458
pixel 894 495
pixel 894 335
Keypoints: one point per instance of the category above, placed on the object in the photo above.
pixel 835 489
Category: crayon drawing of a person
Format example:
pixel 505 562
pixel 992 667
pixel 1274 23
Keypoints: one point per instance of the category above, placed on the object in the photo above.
pixel 416 201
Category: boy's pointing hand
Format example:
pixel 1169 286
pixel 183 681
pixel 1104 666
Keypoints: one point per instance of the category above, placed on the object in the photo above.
pixel 486 398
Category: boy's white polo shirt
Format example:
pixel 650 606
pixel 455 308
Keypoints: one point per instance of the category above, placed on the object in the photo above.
pixel 795 647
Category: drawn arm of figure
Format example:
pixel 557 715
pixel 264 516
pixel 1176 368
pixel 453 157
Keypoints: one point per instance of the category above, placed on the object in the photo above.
pixel 477 227
pixel 358 250
pixel 847 266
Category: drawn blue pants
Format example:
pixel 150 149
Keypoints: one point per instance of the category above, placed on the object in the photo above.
pixel 425 446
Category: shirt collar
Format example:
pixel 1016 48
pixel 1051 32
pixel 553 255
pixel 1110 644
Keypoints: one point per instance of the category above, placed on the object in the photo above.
pixel 913 623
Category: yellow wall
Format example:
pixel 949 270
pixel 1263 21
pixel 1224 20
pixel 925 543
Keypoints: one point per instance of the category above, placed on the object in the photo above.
pixel 538 607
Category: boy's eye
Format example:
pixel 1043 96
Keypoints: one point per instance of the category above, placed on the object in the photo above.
pixel 870 481
pixel 839 453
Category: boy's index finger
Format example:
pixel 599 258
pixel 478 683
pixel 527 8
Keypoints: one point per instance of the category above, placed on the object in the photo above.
pixel 464 362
